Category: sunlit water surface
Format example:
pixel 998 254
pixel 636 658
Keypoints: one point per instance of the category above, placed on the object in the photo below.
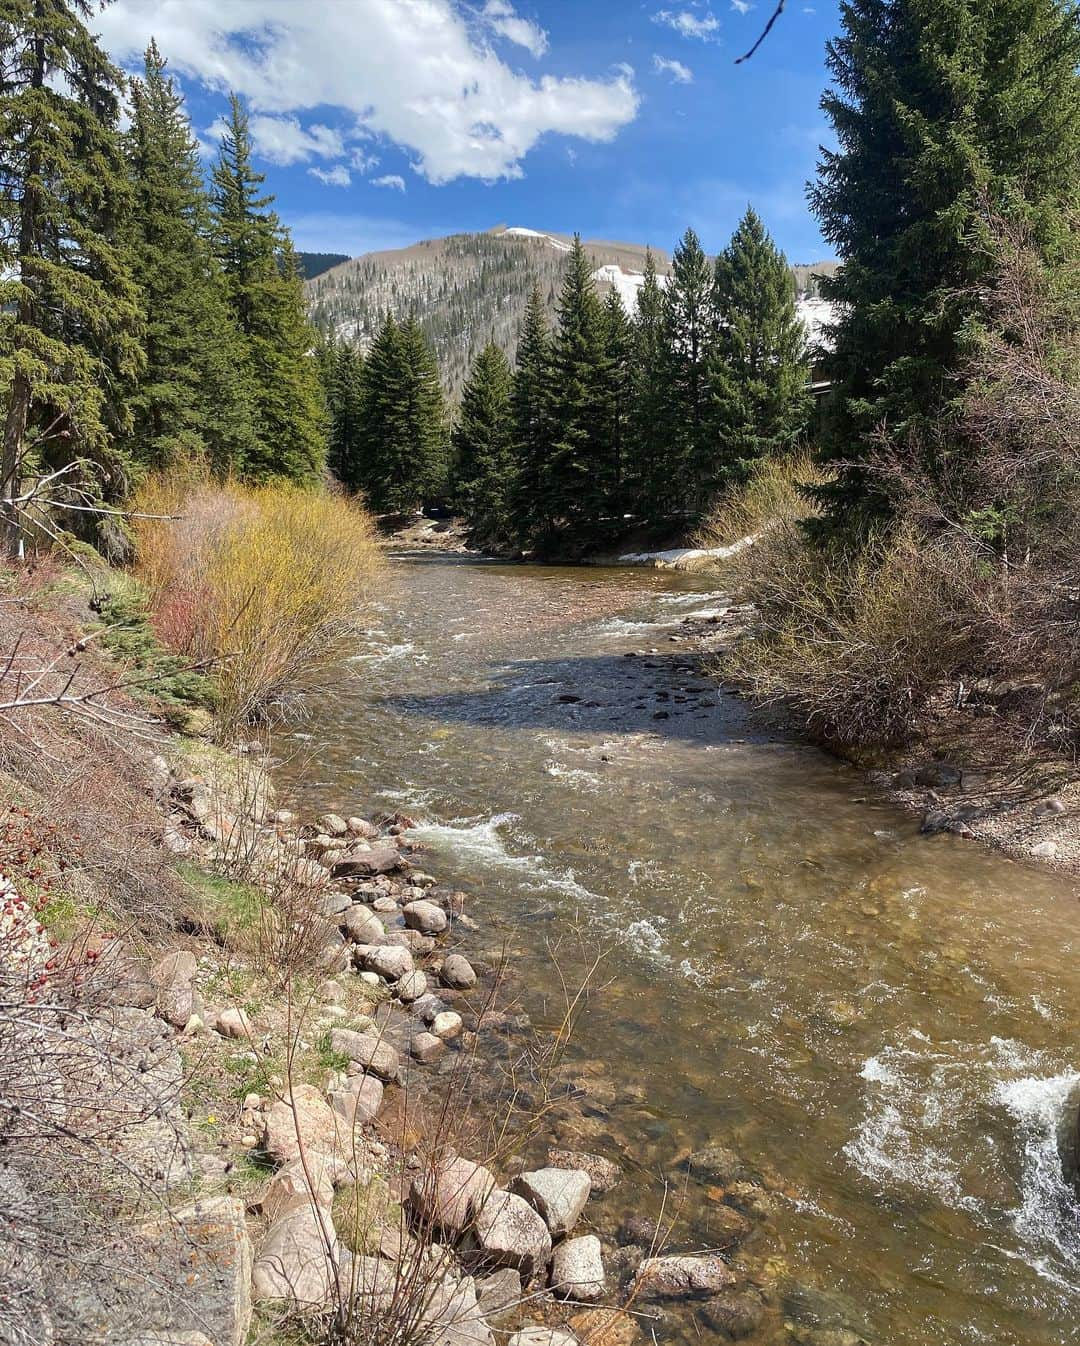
pixel 884 1024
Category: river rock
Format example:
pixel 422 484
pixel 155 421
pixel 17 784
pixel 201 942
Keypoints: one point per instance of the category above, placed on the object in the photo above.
pixel 294 1264
pixel 411 987
pixel 424 916
pixel 417 944
pixel 449 1194
pixel 510 1233
pixel 233 1022
pixel 389 961
pixel 499 1294
pixel 360 827
pixel 457 973
pixel 446 1024
pixel 603 1173
pixel 334 824
pixel 736 1315
pixel 289 1188
pixel 426 1047
pixel 717 1164
pixel 363 926
pixel 559 1194
pixel 1068 1137
pixel 683 1277
pixel 360 1101
pixel 366 864
pixel 368 1051
pixel 304 1120
pixel 577 1269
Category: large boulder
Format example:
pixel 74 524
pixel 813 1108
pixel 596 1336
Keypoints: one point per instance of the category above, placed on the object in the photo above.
pixel 452 1317
pixel 427 917
pixel 449 1194
pixel 368 1051
pixel 577 1269
pixel 366 864
pixel 559 1194
pixel 291 1189
pixel 457 973
pixel 682 1277
pixel 302 1121
pixel 510 1233
pixel 299 1261
pixel 360 1101
pixel 173 980
pixel 362 926
pixel 390 961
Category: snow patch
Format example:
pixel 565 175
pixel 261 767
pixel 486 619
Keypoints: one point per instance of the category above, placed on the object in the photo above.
pixel 679 557
pixel 518 232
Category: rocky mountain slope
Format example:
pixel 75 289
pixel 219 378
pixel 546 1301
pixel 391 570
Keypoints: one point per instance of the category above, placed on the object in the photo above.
pixel 469 288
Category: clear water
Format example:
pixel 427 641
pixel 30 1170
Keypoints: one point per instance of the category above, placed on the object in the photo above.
pixel 883 1025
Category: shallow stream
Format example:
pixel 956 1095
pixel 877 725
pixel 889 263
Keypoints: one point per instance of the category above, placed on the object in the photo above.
pixel 884 1025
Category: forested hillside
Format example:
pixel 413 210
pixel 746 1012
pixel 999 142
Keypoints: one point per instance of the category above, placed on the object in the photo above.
pixel 471 289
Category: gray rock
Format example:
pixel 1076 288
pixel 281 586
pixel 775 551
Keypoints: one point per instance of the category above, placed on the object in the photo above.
pixel 683 1277
pixel 411 987
pixel 452 1315
pixel 577 1269
pixel 333 824
pixel 457 973
pixel 428 1006
pixel 368 1051
pixel 173 982
pixel 389 961
pixel 360 827
pixel 366 864
pixel 543 1336
pixel 418 945
pixel 289 1187
pixel 294 1265
pixel 426 1047
pixel 424 916
pixel 559 1194
pixel 603 1173
pixel 449 1194
pixel 446 1024
pixel 510 1233
pixel 333 902
pixel 233 1022
pixel 360 1102
pixel 499 1294
pixel 363 926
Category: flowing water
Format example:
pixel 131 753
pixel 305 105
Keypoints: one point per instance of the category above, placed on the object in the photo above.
pixel 882 1025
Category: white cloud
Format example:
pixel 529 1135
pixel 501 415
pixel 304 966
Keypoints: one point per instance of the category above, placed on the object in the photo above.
pixel 338 176
pixel 503 19
pixel 394 180
pixel 680 74
pixel 415 72
pixel 284 141
pixel 741 6
pixel 364 162
pixel 687 24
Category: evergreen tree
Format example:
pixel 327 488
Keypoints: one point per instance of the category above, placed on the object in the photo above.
pixel 943 111
pixel 69 317
pixel 616 371
pixel 653 453
pixel 760 367
pixel 579 471
pixel 192 398
pixel 266 298
pixel 691 327
pixel 482 446
pixel 343 366
pixel 531 417
pixel 400 457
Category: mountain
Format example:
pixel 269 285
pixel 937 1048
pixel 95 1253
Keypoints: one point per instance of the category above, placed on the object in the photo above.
pixel 313 264
pixel 468 289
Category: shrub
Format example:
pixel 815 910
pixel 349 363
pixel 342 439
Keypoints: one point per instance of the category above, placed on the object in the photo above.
pixel 267 582
pixel 776 493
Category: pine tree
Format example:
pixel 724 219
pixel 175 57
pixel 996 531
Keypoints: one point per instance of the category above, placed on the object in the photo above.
pixel 69 317
pixel 616 371
pixel 653 452
pixel 343 380
pixel 483 467
pixel 580 468
pixel 531 416
pixel 266 298
pixel 691 326
pixel 943 111
pixel 760 367
pixel 400 458
pixel 192 399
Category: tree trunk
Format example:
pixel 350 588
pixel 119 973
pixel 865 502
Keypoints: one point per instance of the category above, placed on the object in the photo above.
pixel 18 411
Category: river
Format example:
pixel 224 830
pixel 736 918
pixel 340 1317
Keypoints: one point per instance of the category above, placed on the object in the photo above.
pixel 885 1025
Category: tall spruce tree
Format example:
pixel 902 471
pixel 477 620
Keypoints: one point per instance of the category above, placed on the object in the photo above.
pixel 530 406
pixel 400 457
pixel 653 453
pixel 69 314
pixel 691 329
pixel 943 111
pixel 760 366
pixel 579 471
pixel 192 398
pixel 618 341
pixel 343 366
pixel 484 465
pixel 266 298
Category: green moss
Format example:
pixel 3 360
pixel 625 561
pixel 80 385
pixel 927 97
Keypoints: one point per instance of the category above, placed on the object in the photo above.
pixel 361 1212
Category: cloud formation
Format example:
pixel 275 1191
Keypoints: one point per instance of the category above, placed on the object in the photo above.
pixel 704 27
pixel 338 176
pixel 394 180
pixel 680 74
pixel 503 19
pixel 416 73
pixel 741 6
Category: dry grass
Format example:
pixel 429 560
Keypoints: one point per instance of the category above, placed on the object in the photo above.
pixel 265 581
pixel 776 495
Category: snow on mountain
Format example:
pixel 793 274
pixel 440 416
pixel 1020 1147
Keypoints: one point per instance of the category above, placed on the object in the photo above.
pixel 557 243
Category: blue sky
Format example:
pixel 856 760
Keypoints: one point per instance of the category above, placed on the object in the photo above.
pixel 380 122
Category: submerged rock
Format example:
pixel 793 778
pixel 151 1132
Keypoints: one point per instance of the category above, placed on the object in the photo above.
pixel 603 1173
pixel 559 1194
pixel 457 973
pixel 683 1277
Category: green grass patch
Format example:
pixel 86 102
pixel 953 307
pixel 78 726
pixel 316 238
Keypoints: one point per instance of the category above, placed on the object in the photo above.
pixel 230 906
